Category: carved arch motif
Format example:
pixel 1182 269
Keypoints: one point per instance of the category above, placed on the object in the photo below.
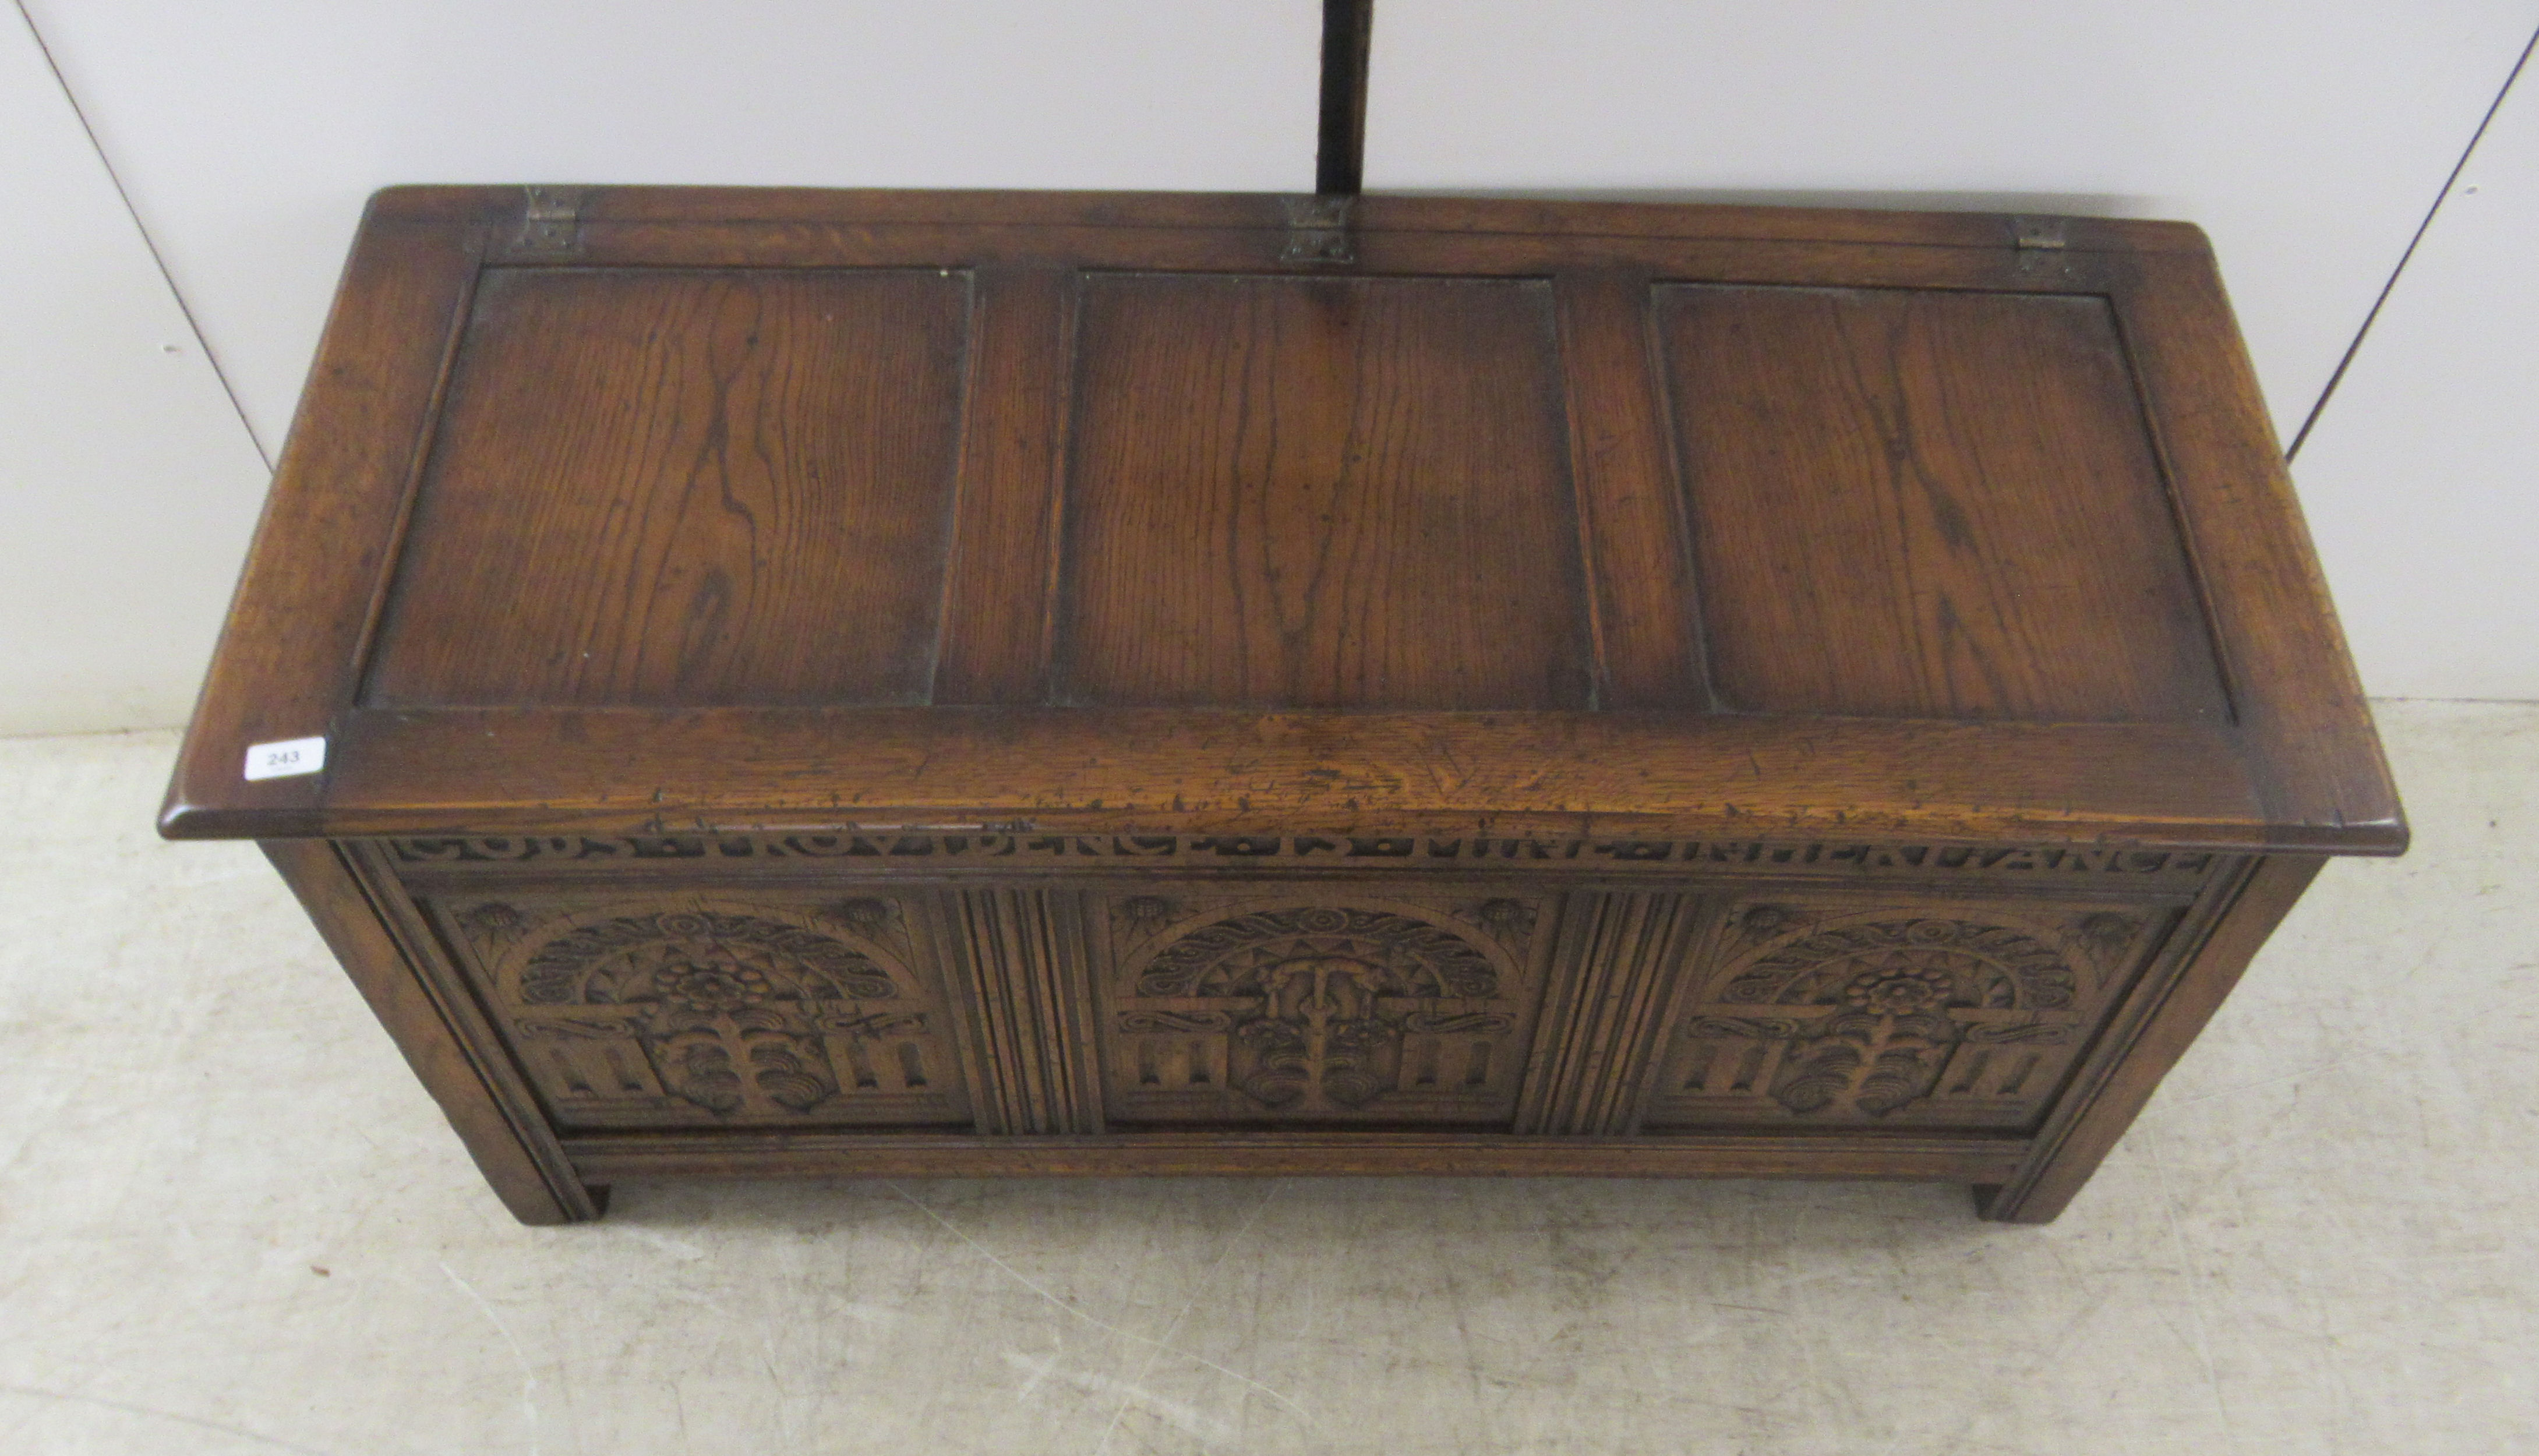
pixel 1884 961
pixel 739 1013
pixel 1408 957
pixel 1868 1015
pixel 1317 1009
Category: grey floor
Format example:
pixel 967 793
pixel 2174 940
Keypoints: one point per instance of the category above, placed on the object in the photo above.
pixel 229 1221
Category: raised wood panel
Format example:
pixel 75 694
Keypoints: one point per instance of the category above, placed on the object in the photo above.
pixel 1849 1012
pixel 1320 493
pixel 671 486
pixel 1648 633
pixel 1928 504
pixel 716 1008
pixel 1322 1005
pixel 994 646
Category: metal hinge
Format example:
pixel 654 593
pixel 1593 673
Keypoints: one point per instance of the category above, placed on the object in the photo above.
pixel 2040 232
pixel 1318 229
pixel 551 222
pixel 2044 245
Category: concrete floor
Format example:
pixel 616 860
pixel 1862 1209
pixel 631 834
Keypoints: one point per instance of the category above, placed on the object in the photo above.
pixel 232 1222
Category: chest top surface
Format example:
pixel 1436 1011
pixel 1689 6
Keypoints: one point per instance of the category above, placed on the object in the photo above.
pixel 645 509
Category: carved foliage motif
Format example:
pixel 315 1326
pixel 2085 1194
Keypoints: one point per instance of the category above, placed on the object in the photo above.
pixel 1872 1015
pixel 728 1011
pixel 1313 1011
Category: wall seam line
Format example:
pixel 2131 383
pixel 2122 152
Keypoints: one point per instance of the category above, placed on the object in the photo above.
pixel 2388 286
pixel 157 258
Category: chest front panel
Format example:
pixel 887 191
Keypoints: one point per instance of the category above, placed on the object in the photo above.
pixel 1347 1003
pixel 1660 989
pixel 1889 1009
pixel 759 1006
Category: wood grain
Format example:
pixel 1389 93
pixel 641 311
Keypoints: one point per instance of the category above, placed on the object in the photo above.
pixel 1930 504
pixel 1648 627
pixel 996 588
pixel 283 668
pixel 2309 729
pixel 668 487
pixel 1332 493
pixel 1174 770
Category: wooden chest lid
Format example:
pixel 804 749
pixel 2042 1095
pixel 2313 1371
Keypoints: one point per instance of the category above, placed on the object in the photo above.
pixel 645 509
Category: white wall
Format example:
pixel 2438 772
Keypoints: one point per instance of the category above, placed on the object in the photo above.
pixel 2423 475
pixel 2307 137
pixel 127 484
pixel 249 131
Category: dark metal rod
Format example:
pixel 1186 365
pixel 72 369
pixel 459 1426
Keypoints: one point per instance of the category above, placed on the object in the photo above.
pixel 1339 157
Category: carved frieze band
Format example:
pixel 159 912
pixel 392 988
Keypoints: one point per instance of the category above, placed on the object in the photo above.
pixel 634 1014
pixel 1389 852
pixel 1264 1010
pixel 1965 1017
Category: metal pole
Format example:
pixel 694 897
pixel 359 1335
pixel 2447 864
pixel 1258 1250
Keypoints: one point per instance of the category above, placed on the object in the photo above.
pixel 1339 157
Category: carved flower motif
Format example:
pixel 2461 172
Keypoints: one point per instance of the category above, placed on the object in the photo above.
pixel 1898 993
pixel 714 988
pixel 1146 914
pixel 1765 920
pixel 493 920
pixel 2108 932
pixel 1507 917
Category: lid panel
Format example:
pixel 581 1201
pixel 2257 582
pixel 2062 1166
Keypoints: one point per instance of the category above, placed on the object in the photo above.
pixel 658 487
pixel 824 511
pixel 1928 504
pixel 1320 493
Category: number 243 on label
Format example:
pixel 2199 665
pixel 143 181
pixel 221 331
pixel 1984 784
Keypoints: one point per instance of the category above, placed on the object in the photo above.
pixel 284 759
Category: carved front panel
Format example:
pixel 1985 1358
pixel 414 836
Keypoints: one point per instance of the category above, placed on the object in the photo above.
pixel 1320 1006
pixel 712 1009
pixel 1961 1015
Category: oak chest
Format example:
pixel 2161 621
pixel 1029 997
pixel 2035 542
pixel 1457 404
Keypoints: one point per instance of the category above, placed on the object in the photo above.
pixel 764 682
